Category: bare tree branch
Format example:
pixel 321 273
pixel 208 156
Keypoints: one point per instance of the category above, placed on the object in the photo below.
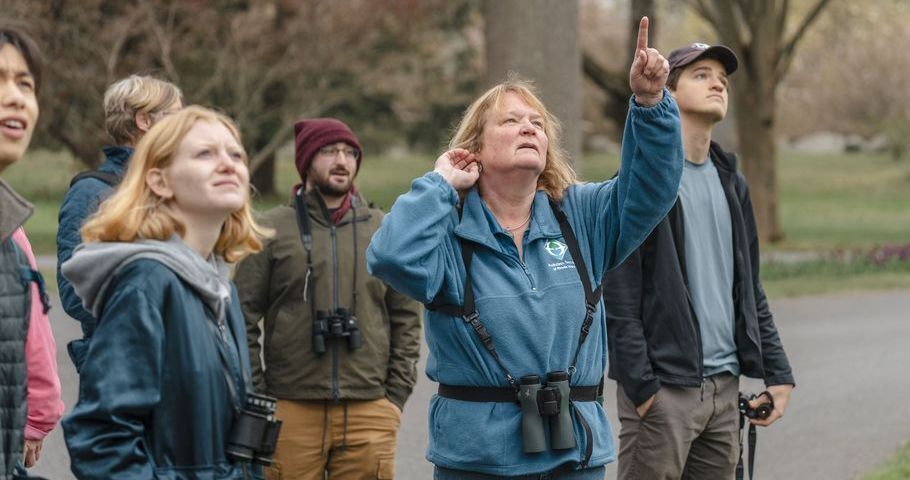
pixel 277 140
pixel 614 84
pixel 786 55
pixel 707 12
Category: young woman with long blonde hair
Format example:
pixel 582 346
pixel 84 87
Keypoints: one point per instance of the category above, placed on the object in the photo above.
pixel 167 367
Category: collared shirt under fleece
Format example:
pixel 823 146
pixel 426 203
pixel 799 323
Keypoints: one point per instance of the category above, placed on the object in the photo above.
pixel 533 306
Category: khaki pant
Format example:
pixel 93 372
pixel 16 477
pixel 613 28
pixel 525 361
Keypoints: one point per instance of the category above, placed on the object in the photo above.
pixel 350 440
pixel 689 433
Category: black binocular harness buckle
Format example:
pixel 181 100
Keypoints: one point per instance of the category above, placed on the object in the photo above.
pixel 585 393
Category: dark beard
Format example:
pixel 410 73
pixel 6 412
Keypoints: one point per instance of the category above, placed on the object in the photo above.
pixel 328 190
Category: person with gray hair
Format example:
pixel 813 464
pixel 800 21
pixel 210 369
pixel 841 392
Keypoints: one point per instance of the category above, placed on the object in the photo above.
pixel 131 107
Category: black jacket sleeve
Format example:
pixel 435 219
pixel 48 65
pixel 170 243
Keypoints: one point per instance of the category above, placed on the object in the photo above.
pixel 630 365
pixel 774 359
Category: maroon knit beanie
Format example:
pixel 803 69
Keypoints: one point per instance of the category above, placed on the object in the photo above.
pixel 312 134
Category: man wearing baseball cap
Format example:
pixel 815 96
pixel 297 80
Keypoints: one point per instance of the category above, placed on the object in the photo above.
pixel 341 347
pixel 686 312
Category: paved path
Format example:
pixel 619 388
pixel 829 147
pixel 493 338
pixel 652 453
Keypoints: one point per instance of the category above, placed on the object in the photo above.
pixel 849 412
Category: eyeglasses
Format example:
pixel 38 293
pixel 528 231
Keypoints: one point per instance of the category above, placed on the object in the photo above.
pixel 348 152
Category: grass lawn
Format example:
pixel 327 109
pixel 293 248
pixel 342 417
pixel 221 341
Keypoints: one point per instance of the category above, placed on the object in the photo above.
pixel 898 468
pixel 844 201
pixel 817 277
pixel 828 203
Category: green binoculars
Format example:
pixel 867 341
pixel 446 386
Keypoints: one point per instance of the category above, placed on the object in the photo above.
pixel 542 404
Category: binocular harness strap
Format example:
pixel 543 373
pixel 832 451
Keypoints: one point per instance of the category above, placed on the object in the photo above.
pixel 306 237
pixel 592 297
pixel 222 354
pixel 577 393
pixel 589 437
pixel 468 311
pixel 472 318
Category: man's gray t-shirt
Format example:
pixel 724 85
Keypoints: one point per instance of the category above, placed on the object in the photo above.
pixel 709 264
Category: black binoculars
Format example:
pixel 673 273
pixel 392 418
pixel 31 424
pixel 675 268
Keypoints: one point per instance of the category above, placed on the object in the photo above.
pixel 338 323
pixel 551 401
pixel 255 431
pixel 761 412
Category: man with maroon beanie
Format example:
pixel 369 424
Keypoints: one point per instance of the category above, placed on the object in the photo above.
pixel 341 347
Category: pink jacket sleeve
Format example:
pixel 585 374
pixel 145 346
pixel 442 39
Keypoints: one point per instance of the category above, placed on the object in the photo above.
pixel 45 405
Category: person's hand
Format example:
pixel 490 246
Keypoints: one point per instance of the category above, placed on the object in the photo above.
pixel 32 452
pixel 459 167
pixel 644 407
pixel 781 396
pixel 649 71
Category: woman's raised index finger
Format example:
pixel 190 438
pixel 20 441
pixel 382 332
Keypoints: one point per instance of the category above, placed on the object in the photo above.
pixel 642 34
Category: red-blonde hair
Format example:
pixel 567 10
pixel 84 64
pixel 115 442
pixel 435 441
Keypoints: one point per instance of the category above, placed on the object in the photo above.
pixel 557 174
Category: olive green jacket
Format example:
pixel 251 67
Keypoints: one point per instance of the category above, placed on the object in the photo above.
pixel 271 287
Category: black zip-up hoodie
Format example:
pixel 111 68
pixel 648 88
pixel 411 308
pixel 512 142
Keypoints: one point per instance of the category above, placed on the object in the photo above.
pixel 653 332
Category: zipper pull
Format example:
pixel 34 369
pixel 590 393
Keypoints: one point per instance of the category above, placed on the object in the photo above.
pixel 306 284
pixel 223 331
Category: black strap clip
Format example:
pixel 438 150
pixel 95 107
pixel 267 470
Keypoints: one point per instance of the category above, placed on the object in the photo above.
pixel 590 308
pixel 474 320
pixel 471 318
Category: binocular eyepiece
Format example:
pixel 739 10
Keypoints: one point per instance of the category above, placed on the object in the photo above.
pixel 254 434
pixel 338 323
pixel 550 401
pixel 761 412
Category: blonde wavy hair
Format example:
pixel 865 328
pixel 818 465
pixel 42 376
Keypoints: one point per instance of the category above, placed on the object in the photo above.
pixel 134 211
pixel 131 95
pixel 557 173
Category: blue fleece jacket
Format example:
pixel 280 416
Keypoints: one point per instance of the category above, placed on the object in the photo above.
pixel 532 306
pixel 80 202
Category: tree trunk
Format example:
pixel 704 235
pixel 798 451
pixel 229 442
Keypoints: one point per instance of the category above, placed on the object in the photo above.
pixel 538 39
pixel 263 179
pixel 640 8
pixel 615 84
pixel 756 32
pixel 755 118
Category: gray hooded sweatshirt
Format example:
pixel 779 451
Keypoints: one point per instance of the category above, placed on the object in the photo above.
pixel 94 264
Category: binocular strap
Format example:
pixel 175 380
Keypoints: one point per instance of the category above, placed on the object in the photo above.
pixel 222 354
pixel 306 237
pixel 589 436
pixel 578 393
pixel 468 311
pixel 753 440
